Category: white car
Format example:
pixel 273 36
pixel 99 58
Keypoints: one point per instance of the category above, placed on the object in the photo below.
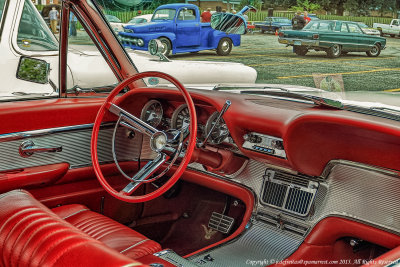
pixel 141 19
pixel 29 36
pixel 368 30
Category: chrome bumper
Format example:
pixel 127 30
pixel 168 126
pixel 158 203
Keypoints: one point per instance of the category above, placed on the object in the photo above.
pixel 299 42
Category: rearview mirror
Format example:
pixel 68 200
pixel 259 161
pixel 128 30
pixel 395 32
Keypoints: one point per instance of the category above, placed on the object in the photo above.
pixel 231 23
pixel 33 70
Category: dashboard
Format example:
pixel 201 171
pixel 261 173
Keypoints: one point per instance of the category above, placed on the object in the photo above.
pixel 299 137
pixel 172 115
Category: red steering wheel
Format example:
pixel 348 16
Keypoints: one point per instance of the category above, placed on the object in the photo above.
pixel 166 146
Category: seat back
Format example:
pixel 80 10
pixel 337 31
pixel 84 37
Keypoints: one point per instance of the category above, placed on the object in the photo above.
pixel 32 235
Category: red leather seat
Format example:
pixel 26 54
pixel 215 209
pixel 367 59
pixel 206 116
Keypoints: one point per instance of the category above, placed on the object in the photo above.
pixel 32 235
pixel 111 233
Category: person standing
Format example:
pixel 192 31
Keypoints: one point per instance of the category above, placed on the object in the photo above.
pixel 298 22
pixel 306 17
pixel 206 15
pixel 53 16
pixel 72 24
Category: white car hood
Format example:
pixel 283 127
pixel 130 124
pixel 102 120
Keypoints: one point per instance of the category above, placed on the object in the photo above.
pixel 187 72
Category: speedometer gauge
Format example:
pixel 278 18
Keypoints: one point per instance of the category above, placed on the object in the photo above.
pixel 152 113
pixel 180 117
pixel 220 131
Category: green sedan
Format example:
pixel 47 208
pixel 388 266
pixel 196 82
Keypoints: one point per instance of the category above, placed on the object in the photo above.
pixel 335 37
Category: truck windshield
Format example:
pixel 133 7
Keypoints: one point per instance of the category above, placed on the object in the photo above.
pixel 164 14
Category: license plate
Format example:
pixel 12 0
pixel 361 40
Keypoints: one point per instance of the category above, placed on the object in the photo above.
pixel 297 42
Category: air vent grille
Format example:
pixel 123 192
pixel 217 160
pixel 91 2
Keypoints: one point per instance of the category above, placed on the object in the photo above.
pixel 298 200
pixel 288 192
pixel 277 193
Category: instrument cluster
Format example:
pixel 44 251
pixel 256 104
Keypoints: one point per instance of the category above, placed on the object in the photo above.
pixel 173 115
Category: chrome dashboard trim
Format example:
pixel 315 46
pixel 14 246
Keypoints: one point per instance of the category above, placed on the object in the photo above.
pixel 75 141
pixel 42 132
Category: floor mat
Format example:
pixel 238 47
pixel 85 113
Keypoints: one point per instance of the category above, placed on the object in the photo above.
pixel 190 234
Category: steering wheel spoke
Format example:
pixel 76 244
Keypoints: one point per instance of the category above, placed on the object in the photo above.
pixel 135 122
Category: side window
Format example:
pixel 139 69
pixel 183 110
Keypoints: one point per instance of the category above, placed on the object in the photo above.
pixel 33 33
pixel 353 28
pixel 88 70
pixel 187 14
pixel 2 3
pixel 344 28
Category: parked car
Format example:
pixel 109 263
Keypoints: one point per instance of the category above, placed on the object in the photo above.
pixel 273 24
pixel 368 30
pixel 115 23
pixel 392 29
pixel 141 19
pixel 242 175
pixel 180 32
pixel 334 37
pixel 29 36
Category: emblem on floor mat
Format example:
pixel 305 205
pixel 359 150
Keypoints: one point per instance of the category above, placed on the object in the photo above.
pixel 209 232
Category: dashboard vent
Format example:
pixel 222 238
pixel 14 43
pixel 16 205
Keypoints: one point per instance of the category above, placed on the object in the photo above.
pixel 288 192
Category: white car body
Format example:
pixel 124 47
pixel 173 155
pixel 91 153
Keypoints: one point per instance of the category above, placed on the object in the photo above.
pixel 392 29
pixel 188 72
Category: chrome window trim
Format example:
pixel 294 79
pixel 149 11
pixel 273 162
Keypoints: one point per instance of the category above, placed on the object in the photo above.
pixel 42 132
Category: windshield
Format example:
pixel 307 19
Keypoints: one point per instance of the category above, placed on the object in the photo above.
pixel 363 25
pixel 332 54
pixel 281 20
pixel 164 14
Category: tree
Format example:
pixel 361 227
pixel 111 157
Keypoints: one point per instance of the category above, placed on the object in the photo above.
pixel 385 5
pixel 333 5
pixel 279 3
pixel 305 5
pixel 359 7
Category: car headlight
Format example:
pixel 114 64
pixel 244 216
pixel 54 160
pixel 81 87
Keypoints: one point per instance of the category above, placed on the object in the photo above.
pixel 140 42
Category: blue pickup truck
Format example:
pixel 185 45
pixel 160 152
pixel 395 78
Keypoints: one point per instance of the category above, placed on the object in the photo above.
pixel 179 28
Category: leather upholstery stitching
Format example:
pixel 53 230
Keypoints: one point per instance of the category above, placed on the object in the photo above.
pixel 134 245
pixel 75 213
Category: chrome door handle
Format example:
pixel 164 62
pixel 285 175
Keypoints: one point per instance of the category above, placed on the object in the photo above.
pixel 28 148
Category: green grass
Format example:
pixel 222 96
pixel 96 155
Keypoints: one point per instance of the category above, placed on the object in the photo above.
pixel 274 62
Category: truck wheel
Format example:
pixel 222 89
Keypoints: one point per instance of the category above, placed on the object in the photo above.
pixel 381 32
pixel 334 51
pixel 167 46
pixel 375 51
pixel 224 47
pixel 300 50
pixel 262 31
pixel 392 35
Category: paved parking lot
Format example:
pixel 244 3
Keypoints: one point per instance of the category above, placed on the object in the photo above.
pixel 276 63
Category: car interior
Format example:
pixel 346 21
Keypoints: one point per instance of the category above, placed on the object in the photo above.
pixel 175 176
